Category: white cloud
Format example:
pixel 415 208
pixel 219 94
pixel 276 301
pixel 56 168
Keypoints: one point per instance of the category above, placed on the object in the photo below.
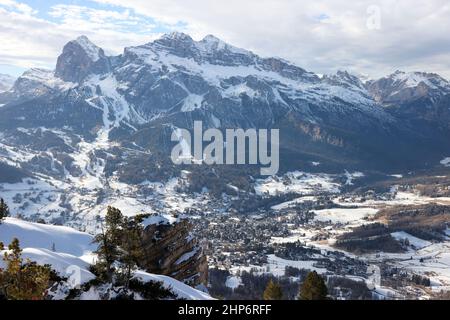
pixel 20 7
pixel 30 41
pixel 320 35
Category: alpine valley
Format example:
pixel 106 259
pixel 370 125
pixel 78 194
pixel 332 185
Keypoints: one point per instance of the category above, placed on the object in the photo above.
pixel 364 177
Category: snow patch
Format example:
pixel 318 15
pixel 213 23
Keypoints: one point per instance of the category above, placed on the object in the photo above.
pixel 159 219
pixel 446 162
pixel 192 102
pixel 415 242
pixel 344 216
pixel 233 282
pixel 352 176
pixel 180 289
pixel 297 182
pixel 292 203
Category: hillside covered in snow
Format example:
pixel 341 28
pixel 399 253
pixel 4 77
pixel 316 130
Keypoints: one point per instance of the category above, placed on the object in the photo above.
pixel 70 254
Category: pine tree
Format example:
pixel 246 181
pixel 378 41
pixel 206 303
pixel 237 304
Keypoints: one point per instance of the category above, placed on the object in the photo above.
pixel 22 281
pixel 273 291
pixel 4 210
pixel 131 252
pixel 313 288
pixel 119 249
pixel 109 241
pixel 114 221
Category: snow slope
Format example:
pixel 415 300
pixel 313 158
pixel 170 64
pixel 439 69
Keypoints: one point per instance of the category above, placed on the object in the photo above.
pixel 182 290
pixel 73 254
pixel 417 243
pixel 35 235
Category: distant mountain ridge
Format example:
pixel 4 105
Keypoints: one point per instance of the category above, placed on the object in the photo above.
pixel 6 82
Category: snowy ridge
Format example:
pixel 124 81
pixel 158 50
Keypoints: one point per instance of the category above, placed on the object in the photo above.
pixel 46 77
pixel 413 79
pixel 211 43
pixel 216 62
pixel 405 87
pixel 6 82
pixel 35 235
pixel 37 82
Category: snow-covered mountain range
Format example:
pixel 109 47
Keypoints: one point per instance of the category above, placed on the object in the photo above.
pixel 96 130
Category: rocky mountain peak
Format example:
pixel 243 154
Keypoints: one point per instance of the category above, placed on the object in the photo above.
pixel 36 82
pixel 211 38
pixel 93 51
pixel 176 35
pixel 80 58
pixel 413 79
pixel 175 40
pixel 344 79
pixel 211 44
pixel 404 87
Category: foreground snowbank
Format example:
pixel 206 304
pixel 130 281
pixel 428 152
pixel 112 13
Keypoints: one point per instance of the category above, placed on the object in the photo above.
pixel 70 253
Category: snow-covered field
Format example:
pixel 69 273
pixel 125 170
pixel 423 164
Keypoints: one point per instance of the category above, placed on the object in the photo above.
pixel 297 182
pixel 277 266
pixel 292 203
pixel 344 216
pixel 401 198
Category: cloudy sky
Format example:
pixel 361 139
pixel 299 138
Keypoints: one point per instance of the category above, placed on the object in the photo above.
pixel 372 37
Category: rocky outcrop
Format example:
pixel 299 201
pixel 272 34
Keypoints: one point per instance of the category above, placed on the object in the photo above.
pixel 171 250
pixel 79 59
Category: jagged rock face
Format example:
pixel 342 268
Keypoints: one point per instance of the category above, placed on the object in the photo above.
pixel 79 59
pixel 347 80
pixel 171 250
pixel 401 88
pixel 416 97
